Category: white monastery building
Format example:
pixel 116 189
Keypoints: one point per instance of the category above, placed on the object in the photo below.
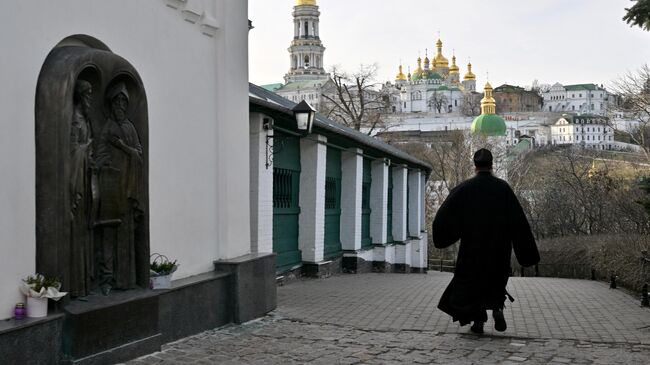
pixel 434 87
pixel 588 131
pixel 580 98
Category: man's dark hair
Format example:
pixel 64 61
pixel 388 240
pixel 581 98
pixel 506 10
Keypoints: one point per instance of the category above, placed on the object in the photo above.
pixel 483 158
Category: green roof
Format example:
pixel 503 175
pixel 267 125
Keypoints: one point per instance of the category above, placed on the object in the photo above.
pixel 508 88
pixel 433 76
pixel 297 85
pixel 580 87
pixel 272 87
pixel 489 125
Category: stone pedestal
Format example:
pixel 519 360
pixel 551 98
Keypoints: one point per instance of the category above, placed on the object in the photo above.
pixel 254 291
pixel 111 329
pixel 128 324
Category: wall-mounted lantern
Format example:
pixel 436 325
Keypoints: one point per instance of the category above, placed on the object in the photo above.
pixel 304 114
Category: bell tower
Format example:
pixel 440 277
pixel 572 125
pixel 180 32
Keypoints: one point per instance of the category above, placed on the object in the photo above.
pixel 306 50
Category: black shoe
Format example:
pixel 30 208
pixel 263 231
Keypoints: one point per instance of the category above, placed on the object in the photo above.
pixel 106 289
pixel 499 322
pixel 477 327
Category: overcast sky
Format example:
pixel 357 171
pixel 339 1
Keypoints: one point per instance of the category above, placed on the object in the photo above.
pixel 516 41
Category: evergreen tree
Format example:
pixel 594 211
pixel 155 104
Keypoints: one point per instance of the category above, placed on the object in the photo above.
pixel 639 14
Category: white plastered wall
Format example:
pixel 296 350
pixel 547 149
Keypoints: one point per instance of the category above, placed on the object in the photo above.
pixel 197 91
pixel 261 186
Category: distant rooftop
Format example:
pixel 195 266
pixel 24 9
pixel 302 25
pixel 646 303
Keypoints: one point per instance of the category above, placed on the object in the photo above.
pixel 298 85
pixel 509 88
pixel 272 87
pixel 579 87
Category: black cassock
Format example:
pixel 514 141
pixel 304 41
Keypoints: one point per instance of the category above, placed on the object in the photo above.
pixel 484 213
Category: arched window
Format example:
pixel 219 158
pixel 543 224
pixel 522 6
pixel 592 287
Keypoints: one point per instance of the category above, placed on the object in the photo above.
pixel 306 61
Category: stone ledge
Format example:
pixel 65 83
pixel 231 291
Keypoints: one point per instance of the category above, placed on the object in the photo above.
pixel 11 324
pixel 195 280
pixel 32 340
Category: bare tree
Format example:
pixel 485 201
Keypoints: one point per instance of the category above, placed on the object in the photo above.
pixel 538 87
pixel 438 101
pixel 356 100
pixel 572 191
pixel 471 104
pixel 634 91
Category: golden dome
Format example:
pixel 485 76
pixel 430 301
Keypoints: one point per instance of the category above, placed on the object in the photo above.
pixel 305 2
pixel 488 104
pixel 440 60
pixel 400 76
pixel 453 68
pixel 417 74
pixel 469 75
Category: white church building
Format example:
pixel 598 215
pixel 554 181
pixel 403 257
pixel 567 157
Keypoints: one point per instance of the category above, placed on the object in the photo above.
pixel 191 57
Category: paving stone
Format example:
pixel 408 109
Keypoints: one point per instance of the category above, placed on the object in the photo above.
pixel 392 319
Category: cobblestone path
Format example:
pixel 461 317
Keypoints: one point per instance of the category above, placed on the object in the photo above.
pixel 392 319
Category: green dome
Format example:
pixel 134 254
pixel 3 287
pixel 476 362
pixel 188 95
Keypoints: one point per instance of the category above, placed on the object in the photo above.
pixel 433 76
pixel 489 125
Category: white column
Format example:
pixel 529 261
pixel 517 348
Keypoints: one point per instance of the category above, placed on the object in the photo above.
pixel 415 203
pixel 311 232
pixel 379 202
pixel 399 203
pixel 351 190
pixel 261 191
pixel 423 202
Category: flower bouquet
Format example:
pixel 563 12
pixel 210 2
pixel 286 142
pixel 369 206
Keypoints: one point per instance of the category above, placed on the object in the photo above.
pixel 38 289
pixel 161 271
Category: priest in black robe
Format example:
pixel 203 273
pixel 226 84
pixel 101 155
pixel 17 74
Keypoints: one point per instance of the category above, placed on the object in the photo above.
pixel 485 215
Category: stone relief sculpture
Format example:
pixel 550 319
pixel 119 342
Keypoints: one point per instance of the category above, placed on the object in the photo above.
pixel 92 195
pixel 119 166
pixel 81 196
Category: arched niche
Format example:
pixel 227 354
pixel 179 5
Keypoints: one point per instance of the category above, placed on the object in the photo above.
pixel 72 189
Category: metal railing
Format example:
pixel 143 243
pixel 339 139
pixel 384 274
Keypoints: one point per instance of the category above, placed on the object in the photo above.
pixel 442 265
